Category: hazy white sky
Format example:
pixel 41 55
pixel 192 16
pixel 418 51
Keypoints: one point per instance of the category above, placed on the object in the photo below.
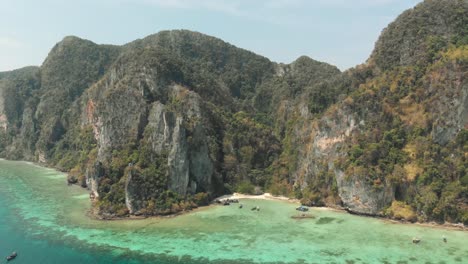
pixel 340 32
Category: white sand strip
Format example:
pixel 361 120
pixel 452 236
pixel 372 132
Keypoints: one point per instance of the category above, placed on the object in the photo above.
pixel 265 196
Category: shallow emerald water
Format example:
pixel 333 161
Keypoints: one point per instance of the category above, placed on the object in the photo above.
pixel 45 221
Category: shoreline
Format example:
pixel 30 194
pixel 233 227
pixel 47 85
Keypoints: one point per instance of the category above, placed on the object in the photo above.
pixel 432 224
pixel 264 196
pixel 96 217
pixel 270 197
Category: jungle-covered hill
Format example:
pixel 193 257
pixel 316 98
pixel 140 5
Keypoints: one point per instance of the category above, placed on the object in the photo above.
pixel 165 123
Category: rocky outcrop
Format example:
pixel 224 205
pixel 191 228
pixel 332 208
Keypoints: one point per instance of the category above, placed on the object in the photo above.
pixel 201 165
pixel 361 197
pixel 28 135
pixel 323 150
pixel 94 173
pixel 180 138
pixel 178 160
pixel 136 196
pixel 160 127
pixel 448 87
pixel 3 117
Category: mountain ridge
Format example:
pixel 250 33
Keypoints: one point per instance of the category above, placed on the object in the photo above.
pixel 164 123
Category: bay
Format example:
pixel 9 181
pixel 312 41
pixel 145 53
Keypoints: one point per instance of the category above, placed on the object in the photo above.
pixel 45 221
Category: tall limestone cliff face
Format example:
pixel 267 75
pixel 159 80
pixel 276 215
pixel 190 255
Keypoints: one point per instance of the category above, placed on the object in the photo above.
pixel 403 125
pixel 17 106
pixel 167 122
pixel 164 121
pixel 3 117
pixel 320 161
pixel 447 90
pixel 181 139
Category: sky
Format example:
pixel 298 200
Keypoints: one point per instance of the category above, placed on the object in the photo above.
pixel 340 32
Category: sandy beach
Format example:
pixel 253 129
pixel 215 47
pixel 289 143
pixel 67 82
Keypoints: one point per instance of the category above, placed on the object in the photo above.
pixel 265 196
pixel 269 196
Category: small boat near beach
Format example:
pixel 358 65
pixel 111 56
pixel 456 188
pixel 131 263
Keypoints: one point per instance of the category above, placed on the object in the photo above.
pixel 12 256
pixel 303 216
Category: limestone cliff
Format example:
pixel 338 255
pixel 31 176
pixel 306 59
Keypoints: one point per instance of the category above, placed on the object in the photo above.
pixel 165 123
pixel 398 132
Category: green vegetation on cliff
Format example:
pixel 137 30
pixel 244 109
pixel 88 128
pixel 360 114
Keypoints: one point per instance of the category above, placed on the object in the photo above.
pixel 414 107
pixel 166 123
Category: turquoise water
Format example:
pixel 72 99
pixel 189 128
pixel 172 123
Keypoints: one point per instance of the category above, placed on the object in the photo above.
pixel 45 221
